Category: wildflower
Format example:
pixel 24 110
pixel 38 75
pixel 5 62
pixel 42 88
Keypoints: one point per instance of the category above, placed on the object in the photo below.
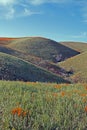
pixel 62 93
pixel 85 108
pixel 83 94
pixel 18 111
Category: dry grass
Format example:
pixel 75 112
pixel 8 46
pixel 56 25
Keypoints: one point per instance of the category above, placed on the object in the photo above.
pixel 79 66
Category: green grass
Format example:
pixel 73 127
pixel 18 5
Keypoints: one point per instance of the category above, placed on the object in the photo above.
pixel 41 47
pixel 78 46
pixel 12 68
pixel 79 65
pixel 47 106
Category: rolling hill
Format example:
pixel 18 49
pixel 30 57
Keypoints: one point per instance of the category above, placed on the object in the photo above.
pixel 34 60
pixel 6 40
pixel 12 68
pixel 42 59
pixel 79 66
pixel 78 46
pixel 43 48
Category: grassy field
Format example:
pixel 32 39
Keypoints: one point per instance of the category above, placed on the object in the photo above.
pixel 42 106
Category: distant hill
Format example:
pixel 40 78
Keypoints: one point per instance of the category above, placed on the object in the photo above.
pixel 12 68
pixel 6 40
pixel 42 59
pixel 43 48
pixel 78 46
pixel 79 66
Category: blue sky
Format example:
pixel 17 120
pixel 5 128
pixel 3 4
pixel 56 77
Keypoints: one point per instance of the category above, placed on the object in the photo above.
pixel 60 20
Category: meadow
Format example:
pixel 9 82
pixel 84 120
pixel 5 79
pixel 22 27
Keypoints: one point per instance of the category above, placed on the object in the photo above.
pixel 42 106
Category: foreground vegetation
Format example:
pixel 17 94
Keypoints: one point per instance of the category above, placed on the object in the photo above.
pixel 42 106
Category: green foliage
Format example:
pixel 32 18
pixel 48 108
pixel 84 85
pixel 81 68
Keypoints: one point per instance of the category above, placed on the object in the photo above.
pixel 47 106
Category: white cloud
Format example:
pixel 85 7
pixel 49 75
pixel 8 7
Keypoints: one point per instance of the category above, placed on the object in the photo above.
pixel 13 8
pixel 7 2
pixel 8 8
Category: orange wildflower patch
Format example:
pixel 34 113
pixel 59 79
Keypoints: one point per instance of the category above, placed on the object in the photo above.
pixel 19 111
pixel 85 108
pixel 62 93
pixel 86 87
pixel 83 94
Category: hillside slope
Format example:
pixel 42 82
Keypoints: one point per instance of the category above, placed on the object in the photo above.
pixel 78 46
pixel 12 68
pixel 44 48
pixel 34 60
pixel 79 66
pixel 40 53
pixel 6 40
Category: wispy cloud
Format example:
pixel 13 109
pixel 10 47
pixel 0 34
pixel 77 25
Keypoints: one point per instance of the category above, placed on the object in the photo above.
pixel 7 2
pixel 8 8
pixel 10 13
pixel 38 2
pixel 13 8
